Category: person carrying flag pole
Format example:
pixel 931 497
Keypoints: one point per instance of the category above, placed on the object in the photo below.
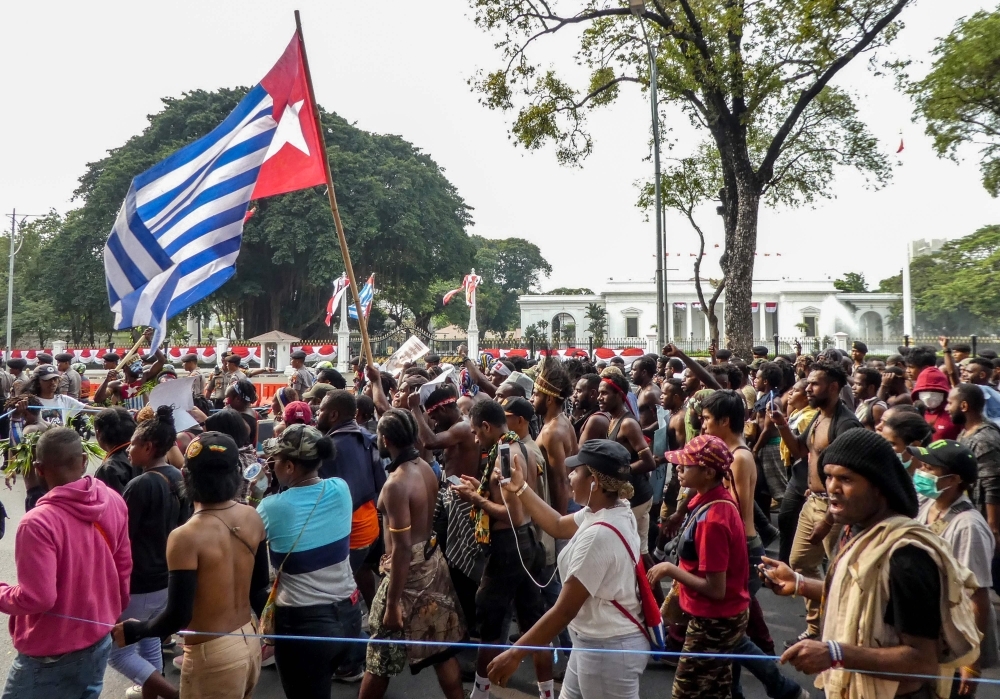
pixel 178 233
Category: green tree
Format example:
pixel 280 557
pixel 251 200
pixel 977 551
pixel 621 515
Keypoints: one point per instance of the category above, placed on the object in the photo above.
pixel 509 267
pixel 404 221
pixel 851 283
pixel 955 290
pixel 568 291
pixel 753 77
pixel 958 97
pixel 597 323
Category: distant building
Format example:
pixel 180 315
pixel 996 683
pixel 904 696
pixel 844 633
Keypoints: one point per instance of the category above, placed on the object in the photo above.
pixel 926 247
pixel 784 307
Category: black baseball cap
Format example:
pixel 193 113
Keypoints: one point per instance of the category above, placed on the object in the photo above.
pixel 46 371
pixel 212 450
pixel 949 454
pixel 520 407
pixel 604 456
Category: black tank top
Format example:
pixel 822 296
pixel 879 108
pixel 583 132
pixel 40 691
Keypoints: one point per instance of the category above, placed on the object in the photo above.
pixel 640 481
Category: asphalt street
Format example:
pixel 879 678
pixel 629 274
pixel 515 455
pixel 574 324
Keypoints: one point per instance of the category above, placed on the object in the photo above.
pixel 785 617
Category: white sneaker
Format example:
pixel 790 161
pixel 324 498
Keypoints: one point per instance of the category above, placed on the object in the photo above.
pixel 134 692
pixel 178 661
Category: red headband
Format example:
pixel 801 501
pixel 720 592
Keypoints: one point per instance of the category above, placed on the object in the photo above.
pixel 613 385
pixel 446 401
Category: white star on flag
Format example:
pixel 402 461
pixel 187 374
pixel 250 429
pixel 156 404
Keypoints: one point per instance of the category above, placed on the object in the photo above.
pixel 289 131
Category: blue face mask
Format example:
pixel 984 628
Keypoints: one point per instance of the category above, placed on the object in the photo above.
pixel 926 485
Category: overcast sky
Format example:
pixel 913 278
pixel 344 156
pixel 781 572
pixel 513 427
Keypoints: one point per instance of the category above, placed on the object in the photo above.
pixel 80 78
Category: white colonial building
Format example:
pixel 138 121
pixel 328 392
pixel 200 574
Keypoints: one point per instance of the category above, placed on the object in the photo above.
pixel 783 307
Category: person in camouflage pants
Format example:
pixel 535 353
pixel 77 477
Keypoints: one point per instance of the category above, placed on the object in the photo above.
pixel 709 678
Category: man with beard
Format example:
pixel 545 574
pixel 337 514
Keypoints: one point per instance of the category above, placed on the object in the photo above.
pixel 643 371
pixel 816 533
pixel 982 438
pixel 592 423
pixel 356 460
pixel 557 439
pixel 415 600
pixel 515 560
pixel 441 428
pixel 895 601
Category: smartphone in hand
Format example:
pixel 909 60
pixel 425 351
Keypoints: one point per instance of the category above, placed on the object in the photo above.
pixel 454 480
pixel 504 453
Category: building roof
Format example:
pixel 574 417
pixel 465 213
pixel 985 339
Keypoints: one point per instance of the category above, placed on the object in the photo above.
pixel 274 336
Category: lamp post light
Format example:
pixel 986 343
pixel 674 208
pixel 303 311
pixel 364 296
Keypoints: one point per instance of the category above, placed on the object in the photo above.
pixel 664 315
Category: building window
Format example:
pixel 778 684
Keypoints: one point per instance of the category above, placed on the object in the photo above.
pixel 810 323
pixel 632 327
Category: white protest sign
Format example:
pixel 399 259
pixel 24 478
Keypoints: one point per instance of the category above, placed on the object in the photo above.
pixel 449 375
pixel 410 351
pixel 178 394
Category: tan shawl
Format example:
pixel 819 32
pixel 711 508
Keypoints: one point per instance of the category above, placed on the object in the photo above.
pixel 857 595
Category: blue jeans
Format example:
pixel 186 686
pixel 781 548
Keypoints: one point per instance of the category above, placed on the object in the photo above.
pixel 76 675
pixel 766 670
pixel 139 661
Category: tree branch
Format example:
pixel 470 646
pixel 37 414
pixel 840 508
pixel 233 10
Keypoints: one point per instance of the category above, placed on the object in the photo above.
pixel 774 150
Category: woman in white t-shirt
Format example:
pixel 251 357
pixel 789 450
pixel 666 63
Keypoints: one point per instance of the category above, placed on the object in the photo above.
pixel 599 601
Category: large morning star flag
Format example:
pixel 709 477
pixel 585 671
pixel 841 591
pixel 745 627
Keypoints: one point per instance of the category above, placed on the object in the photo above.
pixel 178 233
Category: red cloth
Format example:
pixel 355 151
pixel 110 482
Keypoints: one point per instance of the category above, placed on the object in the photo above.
pixel 721 545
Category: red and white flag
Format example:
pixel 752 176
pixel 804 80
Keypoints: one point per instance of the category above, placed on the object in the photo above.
pixel 339 287
pixel 469 284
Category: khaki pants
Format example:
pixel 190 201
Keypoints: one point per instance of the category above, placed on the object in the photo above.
pixel 641 513
pixel 807 558
pixel 227 667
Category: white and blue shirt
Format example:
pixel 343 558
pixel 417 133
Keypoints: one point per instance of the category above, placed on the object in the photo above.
pixel 318 570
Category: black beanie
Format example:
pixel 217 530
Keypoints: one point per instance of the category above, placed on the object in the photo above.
pixel 868 454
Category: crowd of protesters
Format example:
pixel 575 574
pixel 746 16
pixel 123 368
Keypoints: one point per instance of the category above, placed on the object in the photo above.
pixel 515 504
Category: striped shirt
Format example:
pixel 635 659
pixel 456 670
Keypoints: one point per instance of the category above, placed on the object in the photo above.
pixel 318 570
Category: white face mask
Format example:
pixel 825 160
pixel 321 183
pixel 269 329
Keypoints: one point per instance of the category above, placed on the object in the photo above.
pixel 932 399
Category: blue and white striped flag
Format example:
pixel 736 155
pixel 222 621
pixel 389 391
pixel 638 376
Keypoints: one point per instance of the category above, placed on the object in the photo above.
pixel 178 233
pixel 367 293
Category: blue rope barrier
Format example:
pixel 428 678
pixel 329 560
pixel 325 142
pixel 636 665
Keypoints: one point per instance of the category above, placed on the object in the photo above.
pixel 533 649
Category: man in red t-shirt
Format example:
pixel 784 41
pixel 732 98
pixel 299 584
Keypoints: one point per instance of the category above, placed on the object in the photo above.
pixel 712 570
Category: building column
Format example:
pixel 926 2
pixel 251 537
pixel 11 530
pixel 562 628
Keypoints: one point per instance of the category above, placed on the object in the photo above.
pixel 689 326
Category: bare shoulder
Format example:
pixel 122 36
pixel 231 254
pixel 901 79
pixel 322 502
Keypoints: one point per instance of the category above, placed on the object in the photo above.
pixel 743 458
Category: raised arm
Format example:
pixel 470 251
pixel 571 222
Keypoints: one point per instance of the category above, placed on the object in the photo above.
pixel 378 395
pixel 106 386
pixel 483 382
pixel 428 437
pixel 796 444
pixel 703 374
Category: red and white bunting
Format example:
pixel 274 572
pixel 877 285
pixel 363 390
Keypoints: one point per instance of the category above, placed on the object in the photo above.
pixel 771 306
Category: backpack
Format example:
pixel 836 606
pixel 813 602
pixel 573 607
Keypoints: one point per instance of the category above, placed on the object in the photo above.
pixel 653 628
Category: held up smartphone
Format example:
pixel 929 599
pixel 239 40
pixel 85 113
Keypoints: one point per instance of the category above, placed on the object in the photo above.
pixel 504 453
pixel 454 480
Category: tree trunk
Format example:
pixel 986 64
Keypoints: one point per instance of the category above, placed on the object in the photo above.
pixel 741 242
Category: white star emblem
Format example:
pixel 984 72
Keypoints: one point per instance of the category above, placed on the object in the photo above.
pixel 289 131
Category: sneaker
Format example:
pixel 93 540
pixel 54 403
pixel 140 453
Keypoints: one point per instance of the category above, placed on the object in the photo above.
pixel 266 655
pixel 349 675
pixel 134 692
pixel 178 661
pixel 804 636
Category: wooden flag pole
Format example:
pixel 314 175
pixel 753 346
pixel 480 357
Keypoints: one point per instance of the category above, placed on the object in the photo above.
pixel 131 353
pixel 332 196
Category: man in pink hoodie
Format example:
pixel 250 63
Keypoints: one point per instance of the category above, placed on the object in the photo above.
pixel 931 387
pixel 73 560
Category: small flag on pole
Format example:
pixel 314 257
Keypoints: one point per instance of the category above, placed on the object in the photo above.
pixel 179 230
pixel 469 284
pixel 339 287
pixel 367 294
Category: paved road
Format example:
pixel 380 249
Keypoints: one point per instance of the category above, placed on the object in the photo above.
pixel 785 617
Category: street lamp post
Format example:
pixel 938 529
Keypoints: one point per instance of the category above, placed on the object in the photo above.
pixel 664 331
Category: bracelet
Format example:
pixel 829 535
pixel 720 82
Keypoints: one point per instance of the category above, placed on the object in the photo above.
pixel 836 655
pixel 520 491
pixel 971 671
pixel 798 585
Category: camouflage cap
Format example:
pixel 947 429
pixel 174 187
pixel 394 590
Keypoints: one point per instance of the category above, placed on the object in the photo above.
pixel 297 442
